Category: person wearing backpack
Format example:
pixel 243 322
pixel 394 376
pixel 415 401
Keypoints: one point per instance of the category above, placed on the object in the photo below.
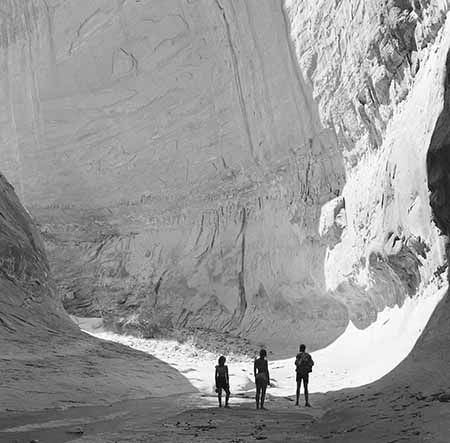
pixel 303 366
pixel 222 381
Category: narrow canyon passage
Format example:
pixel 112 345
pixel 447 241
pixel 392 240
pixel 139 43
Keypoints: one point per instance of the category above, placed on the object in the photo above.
pixel 191 178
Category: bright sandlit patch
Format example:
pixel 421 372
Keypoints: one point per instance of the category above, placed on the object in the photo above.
pixel 361 356
pixel 357 357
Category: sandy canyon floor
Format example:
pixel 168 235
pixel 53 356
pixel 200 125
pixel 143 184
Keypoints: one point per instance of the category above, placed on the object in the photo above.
pixel 356 414
pixel 348 362
pixel 391 417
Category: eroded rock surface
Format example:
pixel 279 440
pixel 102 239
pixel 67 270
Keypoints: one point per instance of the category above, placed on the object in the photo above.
pixel 412 399
pixel 175 161
pixel 177 155
pixel 46 361
pixel 362 59
pixel 29 298
pixel 375 74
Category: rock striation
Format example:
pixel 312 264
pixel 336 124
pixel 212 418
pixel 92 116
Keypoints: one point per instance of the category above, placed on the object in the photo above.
pixel 46 361
pixel 29 299
pixel 227 165
pixel 175 161
pixel 374 70
pixel 361 59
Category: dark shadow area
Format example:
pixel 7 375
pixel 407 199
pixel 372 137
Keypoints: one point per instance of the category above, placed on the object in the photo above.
pixel 438 162
pixel 59 426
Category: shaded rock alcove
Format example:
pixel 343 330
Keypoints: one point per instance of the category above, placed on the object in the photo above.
pixel 46 361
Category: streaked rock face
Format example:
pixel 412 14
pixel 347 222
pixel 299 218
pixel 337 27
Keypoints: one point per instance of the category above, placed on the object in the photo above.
pixel 361 59
pixel 29 297
pixel 177 155
pixel 375 69
pixel 46 361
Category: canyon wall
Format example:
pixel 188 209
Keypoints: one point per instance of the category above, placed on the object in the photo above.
pixel 420 382
pixel 46 361
pixel 29 300
pixel 223 164
pixel 377 80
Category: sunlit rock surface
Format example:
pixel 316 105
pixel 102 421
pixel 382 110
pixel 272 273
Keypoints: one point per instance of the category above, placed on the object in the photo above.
pixel 413 398
pixel 177 156
pixel 175 161
pixel 375 74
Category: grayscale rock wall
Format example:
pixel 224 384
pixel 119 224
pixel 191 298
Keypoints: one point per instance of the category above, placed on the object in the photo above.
pixel 29 299
pixel 177 156
pixel 46 361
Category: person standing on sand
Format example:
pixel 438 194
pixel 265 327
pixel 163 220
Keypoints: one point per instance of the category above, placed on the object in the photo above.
pixel 222 381
pixel 303 366
pixel 262 378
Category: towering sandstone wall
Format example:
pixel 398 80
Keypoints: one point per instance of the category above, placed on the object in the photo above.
pixel 377 76
pixel 223 164
pixel 46 360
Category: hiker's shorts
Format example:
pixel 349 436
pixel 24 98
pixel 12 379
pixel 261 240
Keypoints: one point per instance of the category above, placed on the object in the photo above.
pixel 261 380
pixel 304 377
pixel 222 384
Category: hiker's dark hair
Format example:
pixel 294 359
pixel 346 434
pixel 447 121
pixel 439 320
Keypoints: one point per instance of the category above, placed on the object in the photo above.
pixel 222 360
pixel 262 353
pixel 302 348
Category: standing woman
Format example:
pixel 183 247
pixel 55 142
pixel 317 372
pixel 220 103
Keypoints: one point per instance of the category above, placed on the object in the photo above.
pixel 262 378
pixel 222 381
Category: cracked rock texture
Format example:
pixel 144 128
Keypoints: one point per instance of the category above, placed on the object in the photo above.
pixel 177 155
pixel 375 69
pixel 361 58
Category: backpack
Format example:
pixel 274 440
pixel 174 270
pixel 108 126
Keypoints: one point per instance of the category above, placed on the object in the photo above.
pixel 304 363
